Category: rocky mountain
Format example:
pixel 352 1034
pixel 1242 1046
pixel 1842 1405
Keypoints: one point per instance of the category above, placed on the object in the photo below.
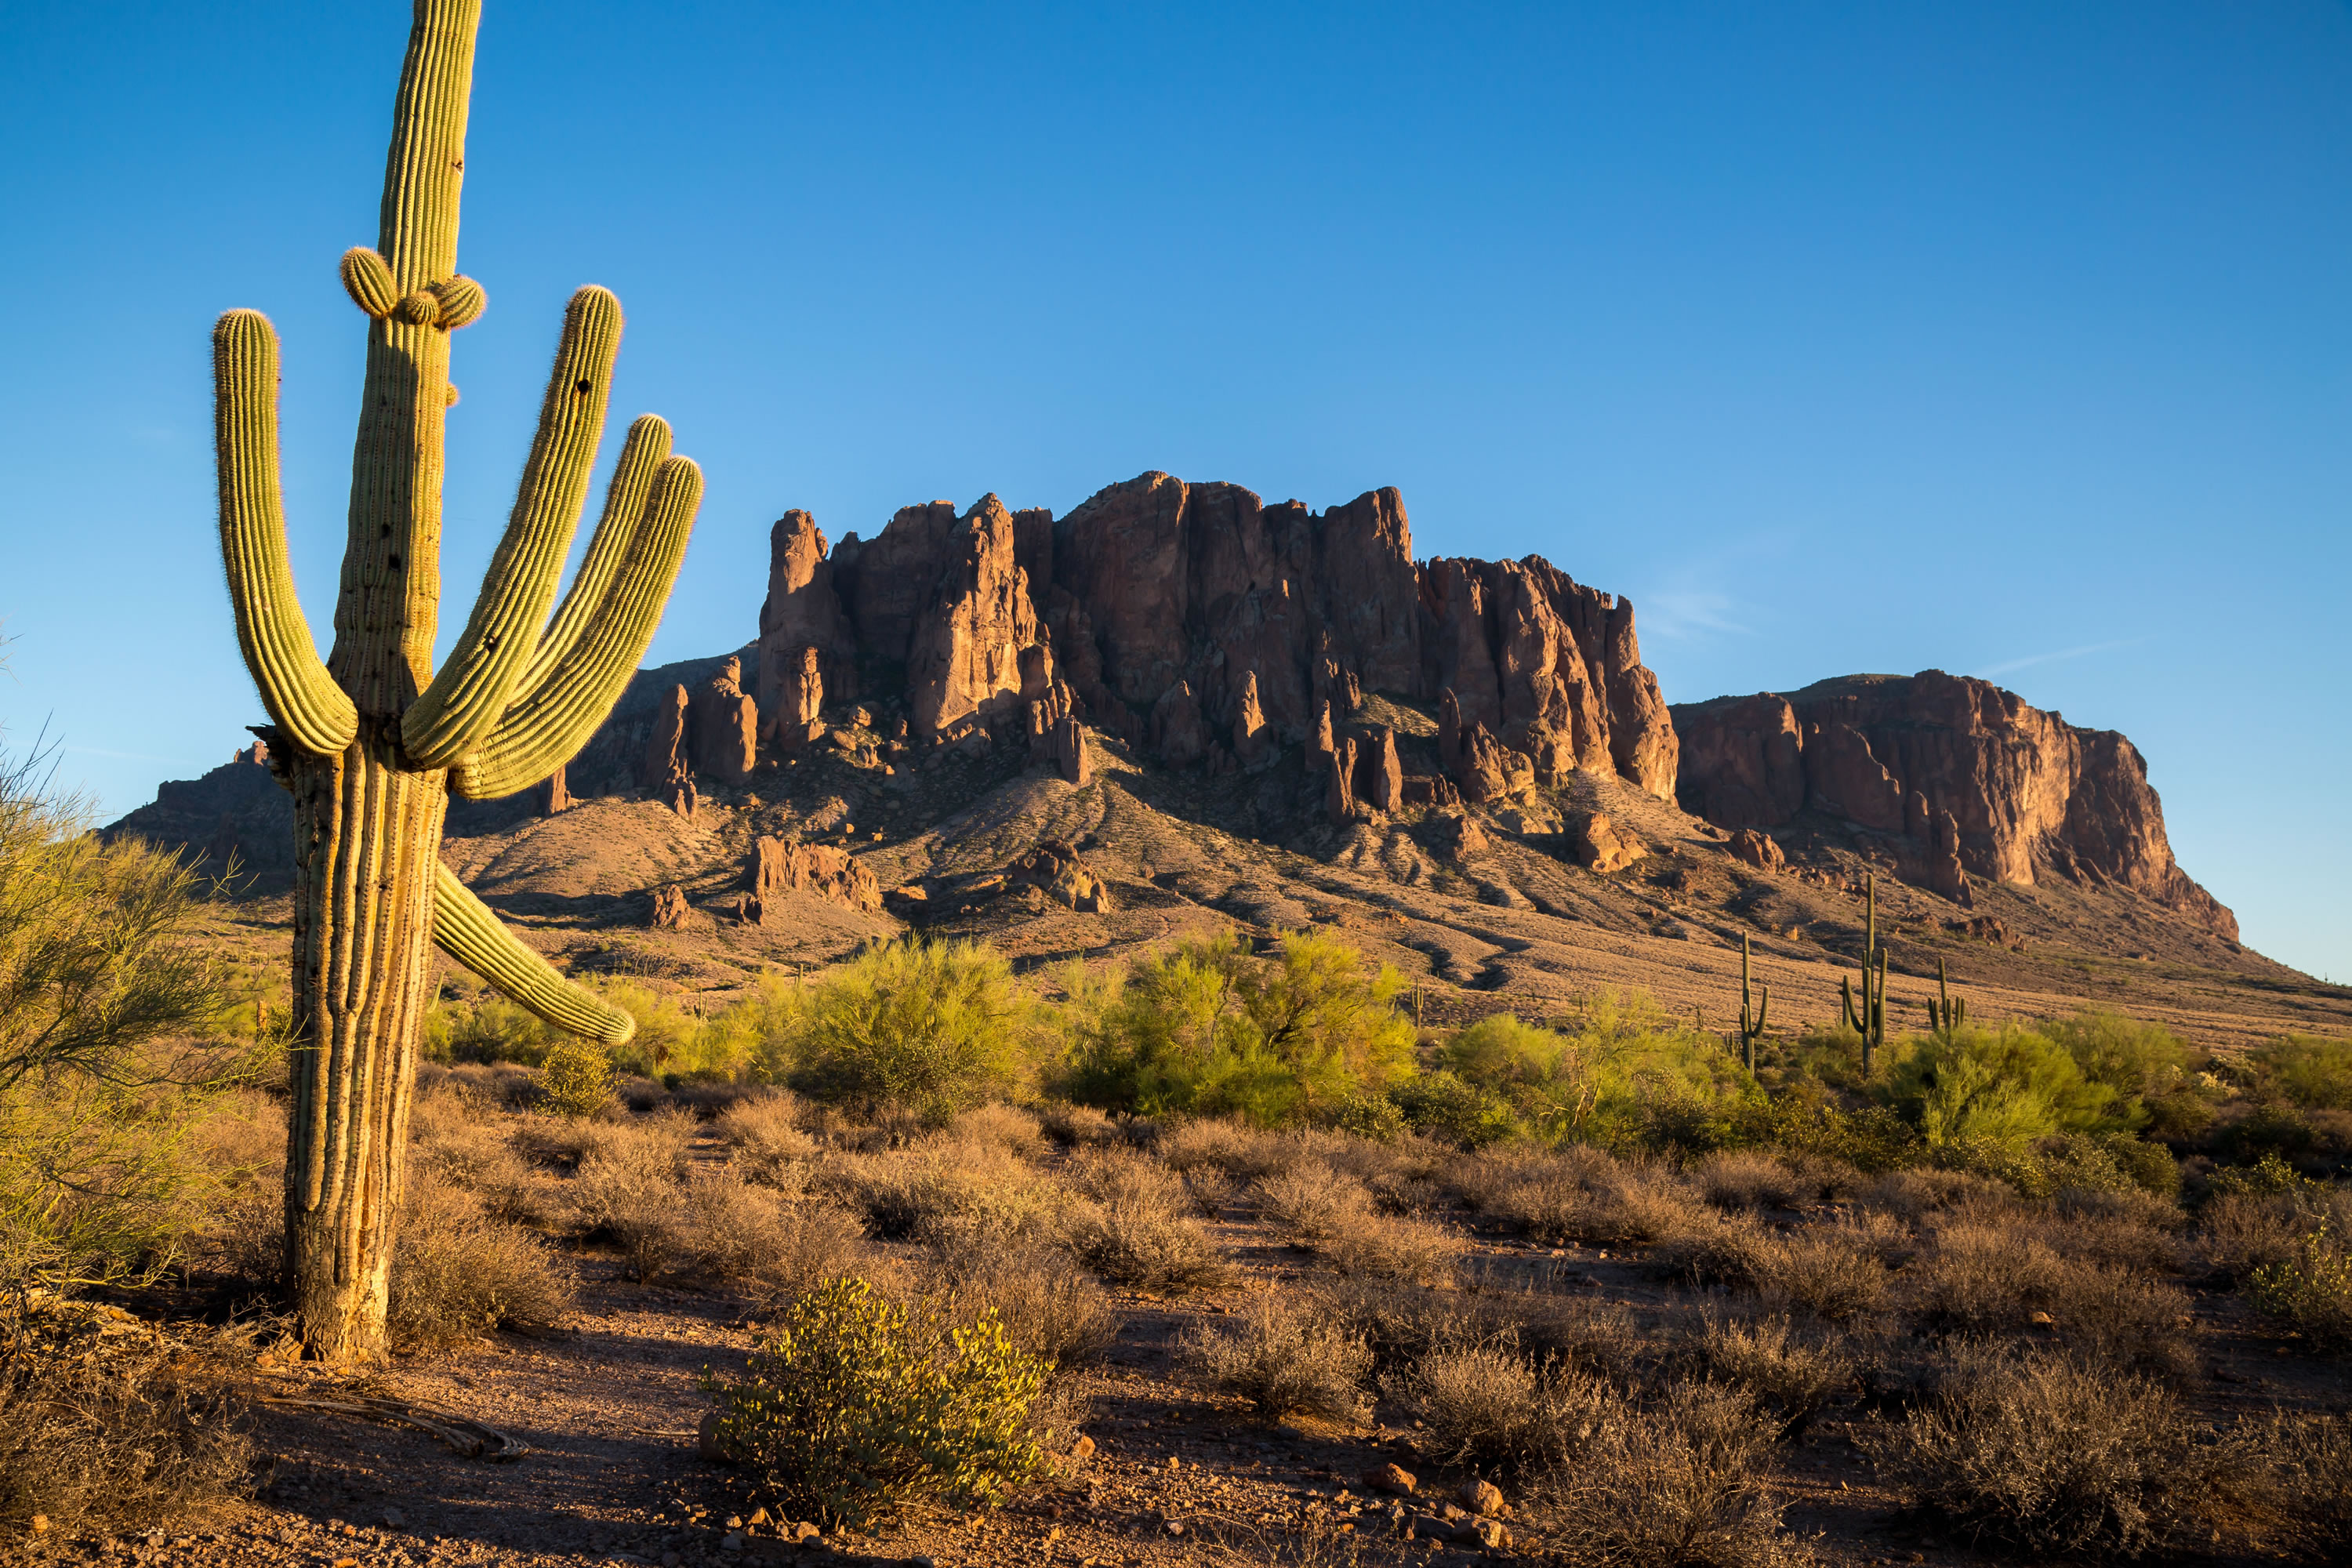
pixel 1952 777
pixel 1180 707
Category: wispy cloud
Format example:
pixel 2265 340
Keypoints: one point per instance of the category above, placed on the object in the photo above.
pixel 2006 666
pixel 1680 615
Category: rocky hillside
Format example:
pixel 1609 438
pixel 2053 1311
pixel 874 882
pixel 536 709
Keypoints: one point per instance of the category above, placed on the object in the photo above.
pixel 1945 778
pixel 1179 709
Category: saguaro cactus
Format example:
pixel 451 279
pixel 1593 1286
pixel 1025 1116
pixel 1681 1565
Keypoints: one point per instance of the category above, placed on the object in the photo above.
pixel 373 740
pixel 1946 1014
pixel 1868 1019
pixel 1751 1023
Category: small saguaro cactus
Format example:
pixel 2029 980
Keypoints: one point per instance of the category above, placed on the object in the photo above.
pixel 1946 1014
pixel 1868 1019
pixel 372 741
pixel 1751 1023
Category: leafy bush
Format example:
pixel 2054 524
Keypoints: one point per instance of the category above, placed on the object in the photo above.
pixel 928 1027
pixel 1439 1104
pixel 575 1079
pixel 2046 1455
pixel 1206 1029
pixel 2000 1086
pixel 1284 1355
pixel 859 1408
pixel 2310 1072
pixel 2311 1288
pixel 2139 1060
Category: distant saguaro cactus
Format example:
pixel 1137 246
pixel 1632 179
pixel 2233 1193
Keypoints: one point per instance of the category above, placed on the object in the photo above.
pixel 373 740
pixel 1868 1019
pixel 1751 1019
pixel 1946 1014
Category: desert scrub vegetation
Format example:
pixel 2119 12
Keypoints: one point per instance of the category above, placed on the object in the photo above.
pixel 1285 1355
pixel 2047 1454
pixel 860 1407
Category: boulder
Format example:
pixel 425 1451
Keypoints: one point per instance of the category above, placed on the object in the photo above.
pixel 1056 870
pixel 1460 835
pixel 1759 849
pixel 1599 845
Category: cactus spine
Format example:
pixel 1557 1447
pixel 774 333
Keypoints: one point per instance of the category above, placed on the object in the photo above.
pixel 1751 1024
pixel 1869 1018
pixel 1947 1014
pixel 373 739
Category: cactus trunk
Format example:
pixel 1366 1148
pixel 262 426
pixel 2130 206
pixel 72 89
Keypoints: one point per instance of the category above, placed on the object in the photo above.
pixel 366 851
pixel 372 741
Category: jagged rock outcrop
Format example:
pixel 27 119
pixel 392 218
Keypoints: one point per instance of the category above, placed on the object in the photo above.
pixel 779 865
pixel 964 655
pixel 802 613
pixel 235 822
pixel 724 724
pixel 1210 626
pixel 1339 787
pixel 670 910
pixel 1759 849
pixel 550 798
pixel 1057 738
pixel 1379 776
pixel 668 761
pixel 2027 795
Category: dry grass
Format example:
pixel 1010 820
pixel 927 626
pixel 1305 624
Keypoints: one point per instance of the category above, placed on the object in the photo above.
pixel 1984 1278
pixel 1244 1152
pixel 1832 1272
pixel 1286 1356
pixel 1578 1194
pixel 457 1273
pixel 765 1141
pixel 1789 1369
pixel 2293 1474
pixel 2047 1454
pixel 1491 1408
pixel 942 1185
pixel 1312 1201
pixel 111 1443
pixel 449 1138
pixel 1077 1125
pixel 1049 1307
pixel 2237 1232
pixel 1388 1248
pixel 1747 1179
pixel 1681 1481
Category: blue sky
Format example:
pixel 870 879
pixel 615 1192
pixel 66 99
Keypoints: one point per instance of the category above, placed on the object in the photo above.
pixel 2013 340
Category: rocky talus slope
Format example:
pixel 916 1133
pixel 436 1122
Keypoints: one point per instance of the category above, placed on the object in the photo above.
pixel 1180 707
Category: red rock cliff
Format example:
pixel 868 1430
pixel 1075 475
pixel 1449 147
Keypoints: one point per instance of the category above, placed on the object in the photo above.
pixel 2030 794
pixel 1179 614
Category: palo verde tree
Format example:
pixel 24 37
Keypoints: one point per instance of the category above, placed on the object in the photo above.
pixel 373 740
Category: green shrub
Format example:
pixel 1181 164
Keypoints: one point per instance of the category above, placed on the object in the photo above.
pixel 860 1408
pixel 2314 1073
pixel 576 1079
pixel 926 1027
pixel 1622 1077
pixel 1206 1029
pixel 2137 1060
pixel 2007 1086
pixel 2266 1131
pixel 2267 1177
pixel 2311 1291
pixel 1441 1105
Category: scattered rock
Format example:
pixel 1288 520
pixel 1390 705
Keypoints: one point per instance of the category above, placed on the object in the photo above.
pixel 1055 871
pixel 1599 845
pixel 1757 849
pixel 1483 1496
pixel 671 912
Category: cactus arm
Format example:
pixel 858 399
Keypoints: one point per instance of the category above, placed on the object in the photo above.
pixel 624 505
pixel 548 724
pixel 465 928
pixel 302 697
pixel 473 687
pixel 1845 1002
pixel 1763 1005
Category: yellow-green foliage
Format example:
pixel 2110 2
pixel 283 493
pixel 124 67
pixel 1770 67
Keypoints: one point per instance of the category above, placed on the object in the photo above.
pixel 1205 1027
pixel 2312 1290
pixel 860 1407
pixel 2004 1086
pixel 1618 1076
pixel 2314 1073
pixel 577 1081
pixel 929 1028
